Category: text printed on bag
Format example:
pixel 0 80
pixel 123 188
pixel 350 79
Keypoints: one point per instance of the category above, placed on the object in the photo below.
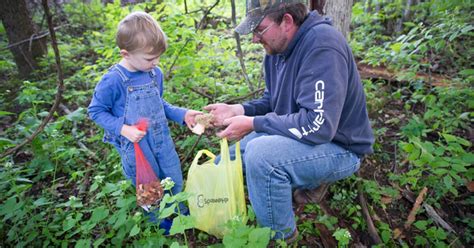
pixel 201 201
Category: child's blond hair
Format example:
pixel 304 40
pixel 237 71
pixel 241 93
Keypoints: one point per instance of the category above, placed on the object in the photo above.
pixel 140 31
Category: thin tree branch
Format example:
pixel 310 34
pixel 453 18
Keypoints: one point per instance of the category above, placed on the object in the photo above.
pixel 168 73
pixel 201 93
pixel 207 13
pixel 170 69
pixel 30 40
pixel 240 54
pixel 60 87
pixel 232 100
pixel 192 148
pixel 365 210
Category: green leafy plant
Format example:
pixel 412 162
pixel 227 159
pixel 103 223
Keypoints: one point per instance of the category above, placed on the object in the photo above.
pixel 343 236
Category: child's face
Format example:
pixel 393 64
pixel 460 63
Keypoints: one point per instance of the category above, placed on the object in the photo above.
pixel 139 60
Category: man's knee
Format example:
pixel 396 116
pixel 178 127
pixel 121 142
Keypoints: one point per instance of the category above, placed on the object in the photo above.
pixel 257 153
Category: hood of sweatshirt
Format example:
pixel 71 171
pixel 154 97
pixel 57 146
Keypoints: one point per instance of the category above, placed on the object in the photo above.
pixel 313 19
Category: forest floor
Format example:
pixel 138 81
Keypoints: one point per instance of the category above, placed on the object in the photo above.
pixel 375 167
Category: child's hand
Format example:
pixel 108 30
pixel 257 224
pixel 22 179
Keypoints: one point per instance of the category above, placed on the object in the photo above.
pixel 132 133
pixel 190 117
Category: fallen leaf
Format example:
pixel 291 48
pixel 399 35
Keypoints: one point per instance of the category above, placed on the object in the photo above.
pixel 470 186
pixel 386 200
pixel 397 233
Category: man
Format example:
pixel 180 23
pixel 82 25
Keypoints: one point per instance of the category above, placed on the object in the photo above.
pixel 310 127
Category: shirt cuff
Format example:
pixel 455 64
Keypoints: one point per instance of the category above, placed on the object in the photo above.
pixel 258 123
pixel 181 112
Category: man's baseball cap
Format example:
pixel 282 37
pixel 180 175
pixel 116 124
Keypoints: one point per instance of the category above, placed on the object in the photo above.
pixel 256 11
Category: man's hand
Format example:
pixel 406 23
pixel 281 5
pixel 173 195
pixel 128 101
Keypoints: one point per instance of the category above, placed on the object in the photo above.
pixel 222 111
pixel 190 118
pixel 132 133
pixel 237 127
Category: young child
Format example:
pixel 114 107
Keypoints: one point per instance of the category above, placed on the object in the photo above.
pixel 133 89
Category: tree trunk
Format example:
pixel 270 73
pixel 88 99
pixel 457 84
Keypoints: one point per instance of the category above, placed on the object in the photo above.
pixel 19 26
pixel 406 15
pixel 341 13
pixel 317 5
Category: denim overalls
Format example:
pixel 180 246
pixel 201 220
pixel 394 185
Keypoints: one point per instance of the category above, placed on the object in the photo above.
pixel 144 101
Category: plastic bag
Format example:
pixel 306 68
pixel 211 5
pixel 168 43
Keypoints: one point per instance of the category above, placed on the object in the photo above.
pixel 148 187
pixel 217 191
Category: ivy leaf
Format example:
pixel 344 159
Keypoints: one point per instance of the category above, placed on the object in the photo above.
pixel 467 72
pixel 83 243
pixel 421 224
pixel 9 207
pixel 448 182
pixel 77 115
pixel 396 47
pixel 260 236
pixel 6 142
pixel 41 202
pixel 181 223
pixel 121 219
pixel 135 230
pixel 3 113
pixel 99 214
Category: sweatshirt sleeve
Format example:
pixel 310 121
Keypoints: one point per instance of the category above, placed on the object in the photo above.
pixel 320 93
pixel 105 95
pixel 259 106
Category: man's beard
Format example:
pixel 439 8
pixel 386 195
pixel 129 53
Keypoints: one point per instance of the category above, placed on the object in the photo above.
pixel 277 48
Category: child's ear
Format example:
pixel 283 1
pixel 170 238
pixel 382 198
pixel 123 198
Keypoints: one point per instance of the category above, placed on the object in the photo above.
pixel 124 53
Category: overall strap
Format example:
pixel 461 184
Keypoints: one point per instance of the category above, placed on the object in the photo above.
pixel 121 73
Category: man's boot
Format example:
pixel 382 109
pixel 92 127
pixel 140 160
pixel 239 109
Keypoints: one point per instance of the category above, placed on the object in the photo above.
pixel 305 196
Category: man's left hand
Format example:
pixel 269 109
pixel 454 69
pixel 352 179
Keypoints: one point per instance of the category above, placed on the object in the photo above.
pixel 237 127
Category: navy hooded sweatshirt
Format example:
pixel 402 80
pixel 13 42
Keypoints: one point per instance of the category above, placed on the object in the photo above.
pixel 313 91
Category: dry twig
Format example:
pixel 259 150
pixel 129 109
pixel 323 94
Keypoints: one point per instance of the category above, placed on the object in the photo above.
pixel 416 206
pixel 435 216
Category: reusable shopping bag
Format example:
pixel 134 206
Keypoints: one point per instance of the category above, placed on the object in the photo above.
pixel 148 187
pixel 217 191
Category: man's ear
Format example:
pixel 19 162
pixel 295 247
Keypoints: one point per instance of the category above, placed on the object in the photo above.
pixel 124 53
pixel 288 21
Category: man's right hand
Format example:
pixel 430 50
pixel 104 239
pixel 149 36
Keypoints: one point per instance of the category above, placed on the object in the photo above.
pixel 222 111
pixel 132 133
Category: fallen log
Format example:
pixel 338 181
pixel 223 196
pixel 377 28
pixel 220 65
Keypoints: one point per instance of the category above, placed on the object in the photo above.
pixel 380 72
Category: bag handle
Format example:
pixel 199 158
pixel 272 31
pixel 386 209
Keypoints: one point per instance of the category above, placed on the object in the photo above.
pixel 225 153
pixel 200 153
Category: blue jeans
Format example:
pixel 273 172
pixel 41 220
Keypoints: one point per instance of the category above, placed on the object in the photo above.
pixel 276 165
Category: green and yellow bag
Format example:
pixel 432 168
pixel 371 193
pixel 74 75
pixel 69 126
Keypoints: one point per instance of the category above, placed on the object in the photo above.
pixel 217 191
